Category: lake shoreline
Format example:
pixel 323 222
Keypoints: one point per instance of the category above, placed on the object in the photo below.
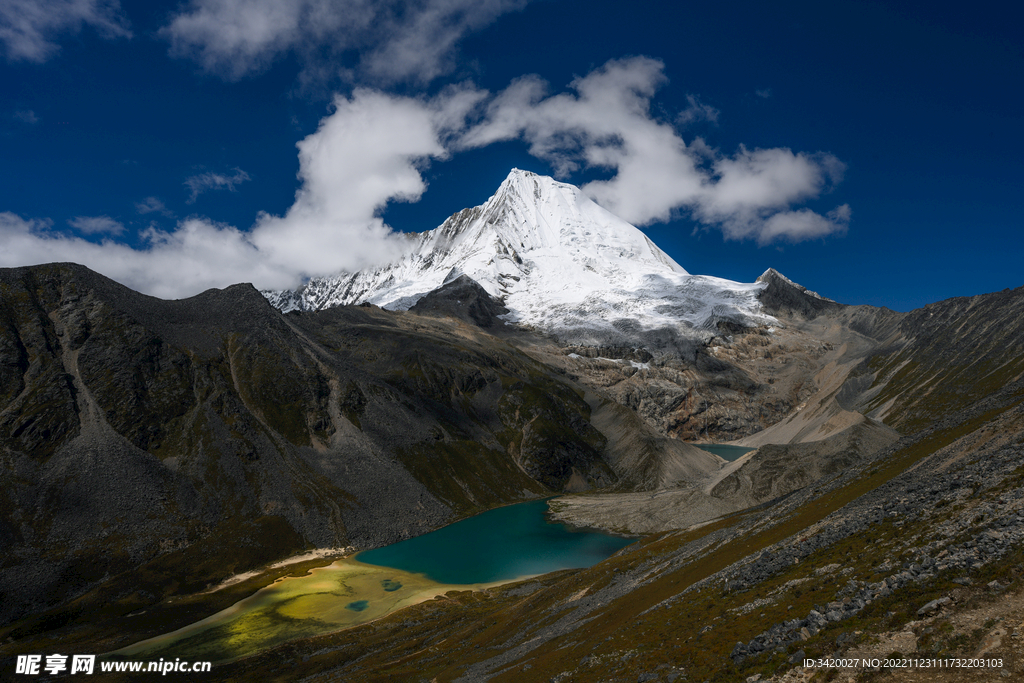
pixel 504 545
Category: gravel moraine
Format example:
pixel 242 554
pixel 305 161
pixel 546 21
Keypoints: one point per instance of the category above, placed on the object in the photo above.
pixel 964 542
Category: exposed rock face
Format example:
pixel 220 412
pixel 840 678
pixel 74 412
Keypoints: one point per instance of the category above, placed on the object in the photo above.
pixel 737 384
pixel 944 357
pixel 782 295
pixel 465 299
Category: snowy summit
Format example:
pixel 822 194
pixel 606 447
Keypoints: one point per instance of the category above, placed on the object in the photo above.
pixel 556 260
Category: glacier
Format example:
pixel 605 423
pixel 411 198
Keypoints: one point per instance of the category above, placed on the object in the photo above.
pixel 560 264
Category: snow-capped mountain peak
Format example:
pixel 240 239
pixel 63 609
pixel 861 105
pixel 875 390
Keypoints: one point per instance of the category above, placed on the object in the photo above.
pixel 546 218
pixel 557 261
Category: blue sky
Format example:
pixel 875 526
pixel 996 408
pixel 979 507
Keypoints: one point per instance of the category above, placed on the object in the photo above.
pixel 870 151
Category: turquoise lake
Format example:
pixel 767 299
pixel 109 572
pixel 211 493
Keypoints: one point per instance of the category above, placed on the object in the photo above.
pixel 497 545
pixel 476 553
pixel 729 453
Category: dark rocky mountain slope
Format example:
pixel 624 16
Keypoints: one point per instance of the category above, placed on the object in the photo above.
pixel 160 446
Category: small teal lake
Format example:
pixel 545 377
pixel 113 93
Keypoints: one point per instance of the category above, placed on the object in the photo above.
pixel 497 545
pixel 724 452
pixel 494 547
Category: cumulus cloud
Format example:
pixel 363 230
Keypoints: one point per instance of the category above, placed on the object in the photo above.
pixel 752 185
pixel 397 40
pixel 95 225
pixel 29 29
pixel 199 184
pixel 369 151
pixel 606 122
pixel 195 257
pixel 804 224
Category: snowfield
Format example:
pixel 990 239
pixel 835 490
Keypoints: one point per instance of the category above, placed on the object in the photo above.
pixel 558 261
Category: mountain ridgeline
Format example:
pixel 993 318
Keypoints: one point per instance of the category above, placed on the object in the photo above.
pixel 533 346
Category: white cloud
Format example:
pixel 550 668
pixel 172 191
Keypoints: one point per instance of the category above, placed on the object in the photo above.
pixel 26 116
pixel 153 205
pixel 421 44
pixel 195 257
pixel 398 40
pixel 238 37
pixel 803 224
pixel 696 111
pixel 766 180
pixel 198 184
pixel 29 28
pixel 764 93
pixel 607 123
pixel 95 225
pixel 369 152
